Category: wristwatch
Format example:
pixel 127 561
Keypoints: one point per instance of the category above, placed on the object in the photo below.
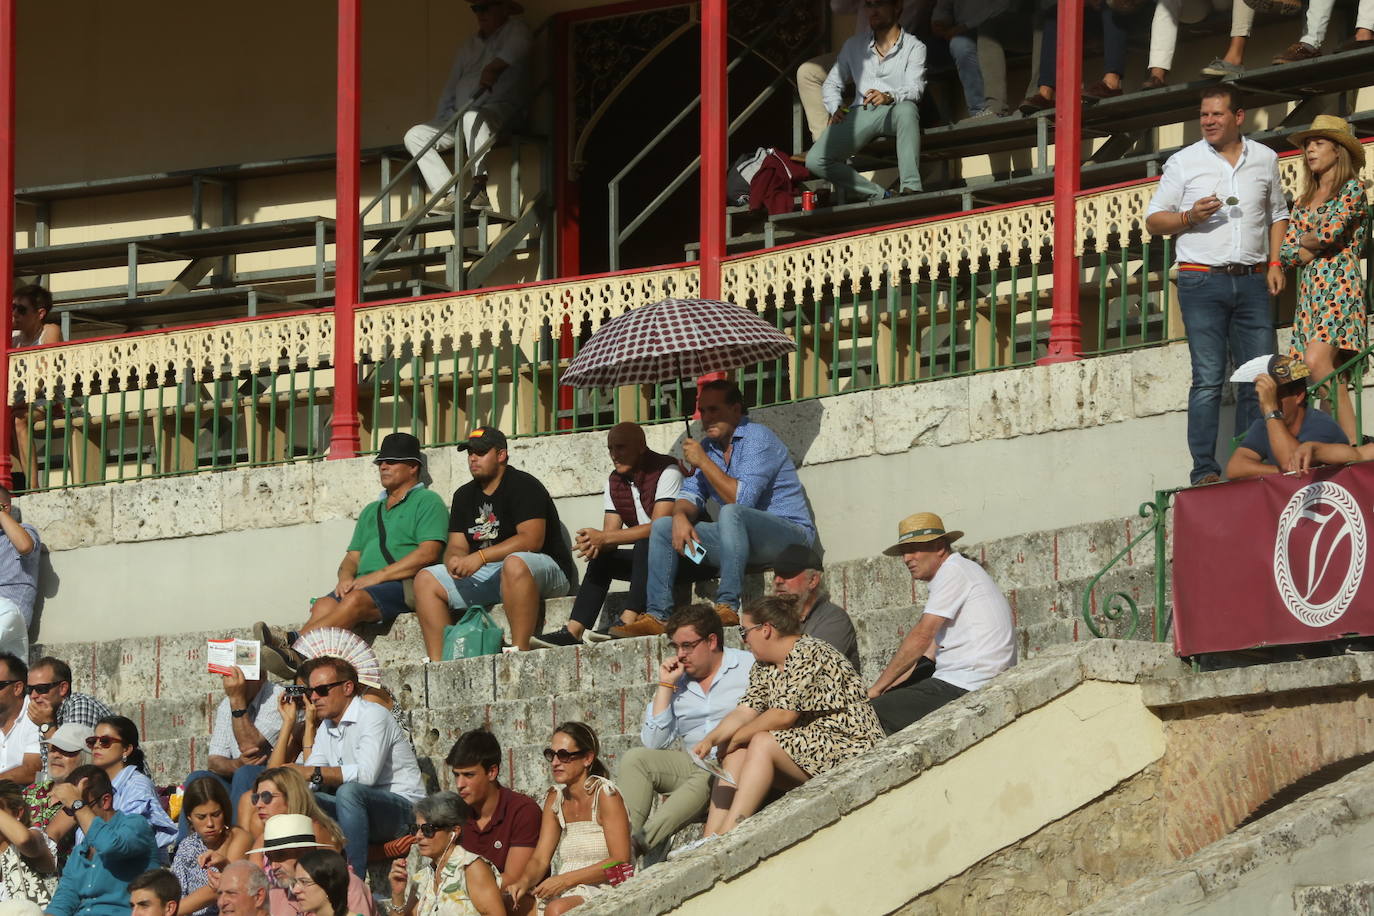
pixel 75 807
pixel 1274 415
pixel 316 779
pixel 239 713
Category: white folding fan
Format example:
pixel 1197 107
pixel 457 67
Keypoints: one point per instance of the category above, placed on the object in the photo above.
pixel 345 644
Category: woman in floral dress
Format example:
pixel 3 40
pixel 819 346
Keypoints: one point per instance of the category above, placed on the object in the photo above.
pixel 1326 237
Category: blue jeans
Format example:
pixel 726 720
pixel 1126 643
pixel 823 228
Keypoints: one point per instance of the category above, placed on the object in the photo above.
pixel 366 814
pixel 741 536
pixel 241 782
pixel 1220 312
pixel 964 49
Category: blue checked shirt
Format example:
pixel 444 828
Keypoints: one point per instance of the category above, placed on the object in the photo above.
pixel 767 477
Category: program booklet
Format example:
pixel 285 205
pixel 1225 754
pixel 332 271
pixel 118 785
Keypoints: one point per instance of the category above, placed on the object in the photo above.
pixel 223 655
pixel 709 765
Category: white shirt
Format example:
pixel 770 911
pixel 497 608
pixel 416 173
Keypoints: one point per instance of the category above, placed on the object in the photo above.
pixel 901 74
pixel 266 719
pixel 669 483
pixel 23 738
pixel 1232 235
pixel 370 748
pixel 979 641
pixel 509 94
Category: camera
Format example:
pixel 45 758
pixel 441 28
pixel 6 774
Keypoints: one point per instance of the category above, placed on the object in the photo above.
pixel 296 691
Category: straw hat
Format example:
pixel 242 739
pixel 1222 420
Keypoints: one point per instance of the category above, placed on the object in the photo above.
pixel 1335 129
pixel 288 831
pixel 918 529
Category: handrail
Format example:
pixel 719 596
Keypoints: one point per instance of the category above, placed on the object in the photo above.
pixel 613 187
pixel 1118 604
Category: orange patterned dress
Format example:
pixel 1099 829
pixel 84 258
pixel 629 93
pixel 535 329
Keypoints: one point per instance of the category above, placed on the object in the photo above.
pixel 1331 288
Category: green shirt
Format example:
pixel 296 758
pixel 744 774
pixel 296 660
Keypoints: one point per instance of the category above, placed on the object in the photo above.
pixel 420 516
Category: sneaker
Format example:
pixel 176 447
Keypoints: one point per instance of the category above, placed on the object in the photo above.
pixel 1298 51
pixel 982 114
pixel 602 635
pixel 688 847
pixel 272 637
pixel 283 661
pixel 443 207
pixel 729 617
pixel 1208 479
pixel 1223 68
pixel 555 639
pixel 646 625
pixel 477 198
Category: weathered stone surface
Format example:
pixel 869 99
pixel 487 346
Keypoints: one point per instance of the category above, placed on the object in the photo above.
pixel 267 497
pixel 461 682
pixel 864 585
pixel 1043 398
pixel 911 416
pixel 567 465
pixel 1160 377
pixel 147 510
pixel 69 519
pixel 1127 661
pixel 823 430
pixel 1356 899
pixel 343 488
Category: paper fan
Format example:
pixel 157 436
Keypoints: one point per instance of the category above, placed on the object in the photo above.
pixel 1252 369
pixel 345 644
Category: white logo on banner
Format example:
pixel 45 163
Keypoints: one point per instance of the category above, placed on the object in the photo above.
pixel 1337 527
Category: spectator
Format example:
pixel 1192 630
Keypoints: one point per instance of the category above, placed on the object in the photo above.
pixel 34 324
pixel 1164 37
pixel 1314 31
pixel 155 893
pixel 285 837
pixel 242 890
pixel 887 68
pixel 394 538
pixel 803 714
pixel 213 843
pixel 797 572
pixel 1223 200
pixel 20 744
pixel 966 627
pixel 115 848
pixel 114 749
pixel 28 861
pixel 20 555
pixel 744 467
pixel 362 768
pixel 53 703
pixel 450 879
pixel 1114 35
pixel 698 684
pixel 63 753
pixel 585 826
pixel 1326 235
pixel 977 32
pixel 811 74
pixel 494 62
pixel 282 790
pixel 1270 443
pixel 504 825
pixel 504 545
pixel 322 880
pixel 247 723
pixel 642 487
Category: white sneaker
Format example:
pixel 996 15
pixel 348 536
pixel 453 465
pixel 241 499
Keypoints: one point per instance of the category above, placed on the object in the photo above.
pixel 690 846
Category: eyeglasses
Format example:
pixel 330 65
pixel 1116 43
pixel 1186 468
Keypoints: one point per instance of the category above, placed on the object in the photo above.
pixel 745 631
pixel 322 690
pixel 427 830
pixel 95 741
pixel 395 461
pixel 264 797
pixel 54 749
pixel 562 754
pixel 305 882
pixel 480 8
pixel 10 683
pixel 688 646
pixel 42 689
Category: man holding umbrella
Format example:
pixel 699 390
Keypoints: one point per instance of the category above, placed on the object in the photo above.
pixel 745 468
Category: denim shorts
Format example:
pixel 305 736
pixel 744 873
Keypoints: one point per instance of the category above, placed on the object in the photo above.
pixel 484 586
pixel 390 598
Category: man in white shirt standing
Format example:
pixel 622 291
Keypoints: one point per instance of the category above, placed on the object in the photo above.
pixel 887 68
pixel 492 61
pixel 362 767
pixel 20 744
pixel 1222 200
pixel 966 627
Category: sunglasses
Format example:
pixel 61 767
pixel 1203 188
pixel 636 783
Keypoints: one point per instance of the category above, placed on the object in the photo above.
pixel 54 749
pixel 562 754
pixel 322 690
pixel 42 689
pixel 95 741
pixel 745 631
pixel 426 830
pixel 480 8
pixel 264 797
pixel 4 684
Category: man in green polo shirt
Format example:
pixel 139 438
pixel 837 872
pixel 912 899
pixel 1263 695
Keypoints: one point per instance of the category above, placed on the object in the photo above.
pixel 395 537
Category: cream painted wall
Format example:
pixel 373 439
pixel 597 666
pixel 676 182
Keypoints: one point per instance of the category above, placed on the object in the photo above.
pixel 948 818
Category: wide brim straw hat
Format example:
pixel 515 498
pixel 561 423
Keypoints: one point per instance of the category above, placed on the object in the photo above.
pixel 918 529
pixel 288 831
pixel 1335 129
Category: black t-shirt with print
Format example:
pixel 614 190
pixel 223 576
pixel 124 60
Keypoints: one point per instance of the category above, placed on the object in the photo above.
pixel 490 518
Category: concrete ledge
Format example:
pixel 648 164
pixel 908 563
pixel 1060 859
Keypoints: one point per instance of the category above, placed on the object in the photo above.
pixel 1258 679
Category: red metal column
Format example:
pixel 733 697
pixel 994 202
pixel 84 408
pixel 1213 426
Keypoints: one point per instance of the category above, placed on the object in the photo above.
pixel 715 113
pixel 1066 327
pixel 7 47
pixel 344 441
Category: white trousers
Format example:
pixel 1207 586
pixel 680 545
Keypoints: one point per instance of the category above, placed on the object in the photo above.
pixel 1164 31
pixel 14 629
pixel 477 127
pixel 1319 17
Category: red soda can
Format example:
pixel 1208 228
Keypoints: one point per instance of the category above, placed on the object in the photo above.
pixel 808 201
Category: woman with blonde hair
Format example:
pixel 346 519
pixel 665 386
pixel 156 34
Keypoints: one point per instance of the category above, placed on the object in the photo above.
pixel 1326 237
pixel 281 790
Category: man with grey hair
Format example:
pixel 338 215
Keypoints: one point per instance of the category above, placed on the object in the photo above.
pixel 243 890
pixel 20 552
pixel 797 572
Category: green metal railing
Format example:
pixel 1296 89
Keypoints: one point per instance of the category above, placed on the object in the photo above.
pixel 1122 604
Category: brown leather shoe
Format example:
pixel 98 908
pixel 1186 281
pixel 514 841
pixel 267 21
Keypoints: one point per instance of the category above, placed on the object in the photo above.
pixel 1296 52
pixel 646 625
pixel 1101 91
pixel 1153 82
pixel 1355 44
pixel 1033 104
pixel 728 616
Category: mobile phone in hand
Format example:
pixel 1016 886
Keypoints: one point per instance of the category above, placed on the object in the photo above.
pixel 693 551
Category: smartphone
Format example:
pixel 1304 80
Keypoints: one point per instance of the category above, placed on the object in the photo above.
pixel 693 551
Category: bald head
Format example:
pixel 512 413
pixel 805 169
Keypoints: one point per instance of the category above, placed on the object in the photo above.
pixel 625 442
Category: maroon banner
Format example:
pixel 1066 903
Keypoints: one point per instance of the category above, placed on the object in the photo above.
pixel 1274 560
